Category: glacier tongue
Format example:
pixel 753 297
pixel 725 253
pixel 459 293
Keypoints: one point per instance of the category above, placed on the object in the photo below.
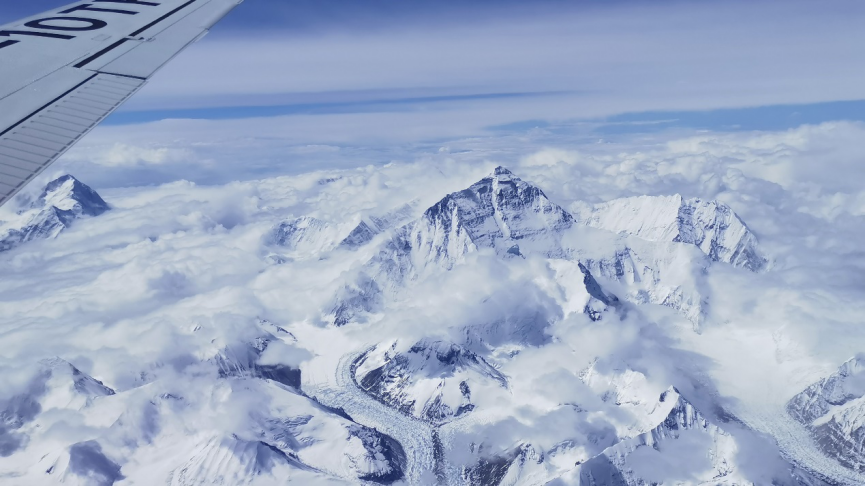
pixel 711 226
pixel 833 410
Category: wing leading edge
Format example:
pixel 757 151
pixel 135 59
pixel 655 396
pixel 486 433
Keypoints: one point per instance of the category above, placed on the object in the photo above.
pixel 64 71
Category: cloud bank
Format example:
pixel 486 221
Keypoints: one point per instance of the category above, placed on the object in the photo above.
pixel 152 291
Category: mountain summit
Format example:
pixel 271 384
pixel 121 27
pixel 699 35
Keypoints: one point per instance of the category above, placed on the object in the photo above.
pixel 711 226
pixel 499 212
pixel 62 201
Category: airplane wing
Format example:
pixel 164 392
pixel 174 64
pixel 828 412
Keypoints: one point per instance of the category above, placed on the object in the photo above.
pixel 64 71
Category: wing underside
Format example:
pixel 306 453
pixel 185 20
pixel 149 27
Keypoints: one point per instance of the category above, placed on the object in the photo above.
pixel 64 97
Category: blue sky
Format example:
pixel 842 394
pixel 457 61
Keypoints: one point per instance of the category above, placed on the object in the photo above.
pixel 705 65
pixel 284 86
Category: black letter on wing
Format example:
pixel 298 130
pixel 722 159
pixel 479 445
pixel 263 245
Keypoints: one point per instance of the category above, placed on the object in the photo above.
pixel 7 33
pixel 90 8
pixel 92 24
pixel 133 2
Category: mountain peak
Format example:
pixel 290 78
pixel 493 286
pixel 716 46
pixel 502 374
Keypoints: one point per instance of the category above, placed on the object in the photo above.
pixel 62 201
pixel 499 212
pixel 66 193
pixel 501 171
pixel 711 226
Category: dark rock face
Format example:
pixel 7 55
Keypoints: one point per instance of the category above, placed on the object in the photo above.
pixel 87 461
pixel 833 410
pixel 600 299
pixel 488 471
pixel 362 234
pixel 353 300
pixel 384 447
pixel 63 201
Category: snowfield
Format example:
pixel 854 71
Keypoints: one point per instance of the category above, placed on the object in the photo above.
pixel 396 325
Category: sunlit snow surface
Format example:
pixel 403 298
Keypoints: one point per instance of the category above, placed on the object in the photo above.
pixel 434 323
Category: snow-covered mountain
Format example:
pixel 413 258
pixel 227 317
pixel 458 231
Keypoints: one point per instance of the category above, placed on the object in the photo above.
pixel 286 434
pixel 432 380
pixel 658 247
pixel 62 201
pixel 490 339
pixel 655 256
pixel 711 226
pixel 675 444
pixel 372 226
pixel 664 273
pixel 55 386
pixel 500 213
pixel 833 410
pixel 685 448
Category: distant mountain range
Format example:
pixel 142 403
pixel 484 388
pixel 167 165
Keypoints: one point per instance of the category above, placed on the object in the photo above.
pixel 404 403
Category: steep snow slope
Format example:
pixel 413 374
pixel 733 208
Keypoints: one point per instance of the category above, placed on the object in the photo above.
pixel 833 410
pixel 663 273
pixel 372 226
pixel 500 212
pixel 709 225
pixel 62 201
pixel 56 385
pixel 302 238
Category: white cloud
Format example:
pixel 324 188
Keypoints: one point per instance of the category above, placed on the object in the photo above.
pixel 123 155
pixel 175 273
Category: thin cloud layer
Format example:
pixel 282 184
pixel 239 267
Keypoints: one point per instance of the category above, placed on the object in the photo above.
pixel 587 57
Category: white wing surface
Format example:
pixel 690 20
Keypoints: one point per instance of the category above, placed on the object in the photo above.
pixel 64 71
